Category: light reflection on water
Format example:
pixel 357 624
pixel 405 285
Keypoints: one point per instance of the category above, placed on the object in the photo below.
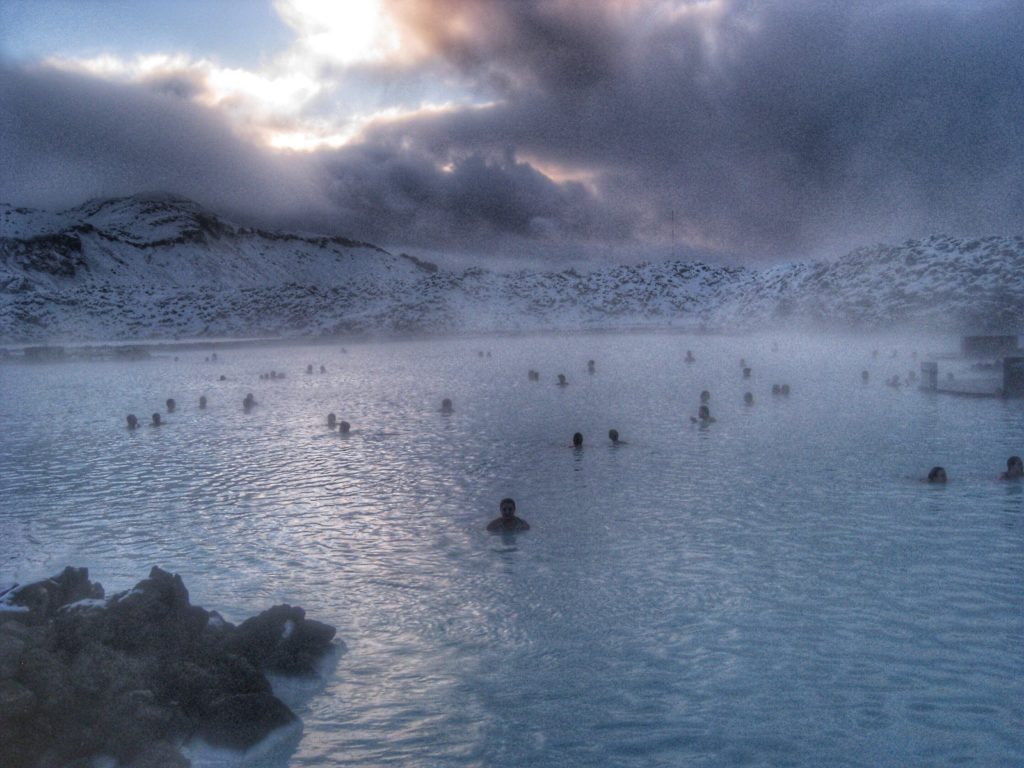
pixel 774 589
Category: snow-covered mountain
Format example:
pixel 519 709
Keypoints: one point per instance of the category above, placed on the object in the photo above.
pixel 161 266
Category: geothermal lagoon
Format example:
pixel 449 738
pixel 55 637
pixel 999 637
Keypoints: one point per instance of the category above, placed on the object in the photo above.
pixel 775 588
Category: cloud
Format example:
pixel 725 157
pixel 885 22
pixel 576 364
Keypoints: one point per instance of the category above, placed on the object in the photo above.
pixel 68 137
pixel 477 200
pixel 765 130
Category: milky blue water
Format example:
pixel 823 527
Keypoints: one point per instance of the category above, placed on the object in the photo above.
pixel 775 589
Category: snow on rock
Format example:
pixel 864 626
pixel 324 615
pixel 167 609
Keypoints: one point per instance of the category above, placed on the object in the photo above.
pixel 158 266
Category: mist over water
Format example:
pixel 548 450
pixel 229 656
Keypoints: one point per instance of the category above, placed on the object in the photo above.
pixel 776 588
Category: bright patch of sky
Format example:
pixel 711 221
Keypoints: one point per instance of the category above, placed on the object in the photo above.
pixel 292 74
pixel 238 33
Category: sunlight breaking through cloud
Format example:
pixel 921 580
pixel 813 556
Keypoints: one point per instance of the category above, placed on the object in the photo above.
pixel 306 97
pixel 340 32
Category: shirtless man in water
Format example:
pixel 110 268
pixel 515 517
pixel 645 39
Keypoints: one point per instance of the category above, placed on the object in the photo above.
pixel 508 522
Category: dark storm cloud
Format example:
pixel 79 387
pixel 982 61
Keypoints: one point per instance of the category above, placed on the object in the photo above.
pixel 764 128
pixel 68 137
pixel 772 129
pixel 65 138
pixel 475 200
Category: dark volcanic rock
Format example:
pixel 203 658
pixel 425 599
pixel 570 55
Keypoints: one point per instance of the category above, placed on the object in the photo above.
pixel 281 639
pixel 241 719
pixel 133 675
pixel 41 599
pixel 155 616
pixel 160 754
pixel 15 700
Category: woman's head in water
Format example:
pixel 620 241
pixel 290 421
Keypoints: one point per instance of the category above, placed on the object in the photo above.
pixel 156 419
pixel 1015 467
pixel 577 439
pixel 507 507
pixel 937 475
pixel 748 398
pixel 331 420
pixel 613 435
pixel 344 427
pixel 133 421
pixel 446 404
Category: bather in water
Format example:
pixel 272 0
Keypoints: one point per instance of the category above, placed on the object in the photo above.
pixel 748 398
pixel 1014 469
pixel 703 416
pixel 508 522
pixel 613 435
pixel 562 381
pixel 937 475
pixel 577 440
pixel 446 406
pixel 332 420
pixel 133 421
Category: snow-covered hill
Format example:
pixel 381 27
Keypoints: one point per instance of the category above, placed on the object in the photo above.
pixel 160 266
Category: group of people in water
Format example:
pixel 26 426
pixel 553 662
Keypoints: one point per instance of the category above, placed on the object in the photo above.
pixel 156 420
pixel 508 522
pixel 1014 471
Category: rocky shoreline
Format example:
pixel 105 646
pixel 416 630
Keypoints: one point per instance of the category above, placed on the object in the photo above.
pixel 134 675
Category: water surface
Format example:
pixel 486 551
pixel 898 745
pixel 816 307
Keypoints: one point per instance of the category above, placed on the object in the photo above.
pixel 777 588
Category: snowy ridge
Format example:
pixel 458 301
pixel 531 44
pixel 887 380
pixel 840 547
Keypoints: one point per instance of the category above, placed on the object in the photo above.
pixel 170 242
pixel 158 266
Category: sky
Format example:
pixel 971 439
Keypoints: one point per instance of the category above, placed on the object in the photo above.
pixel 531 130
